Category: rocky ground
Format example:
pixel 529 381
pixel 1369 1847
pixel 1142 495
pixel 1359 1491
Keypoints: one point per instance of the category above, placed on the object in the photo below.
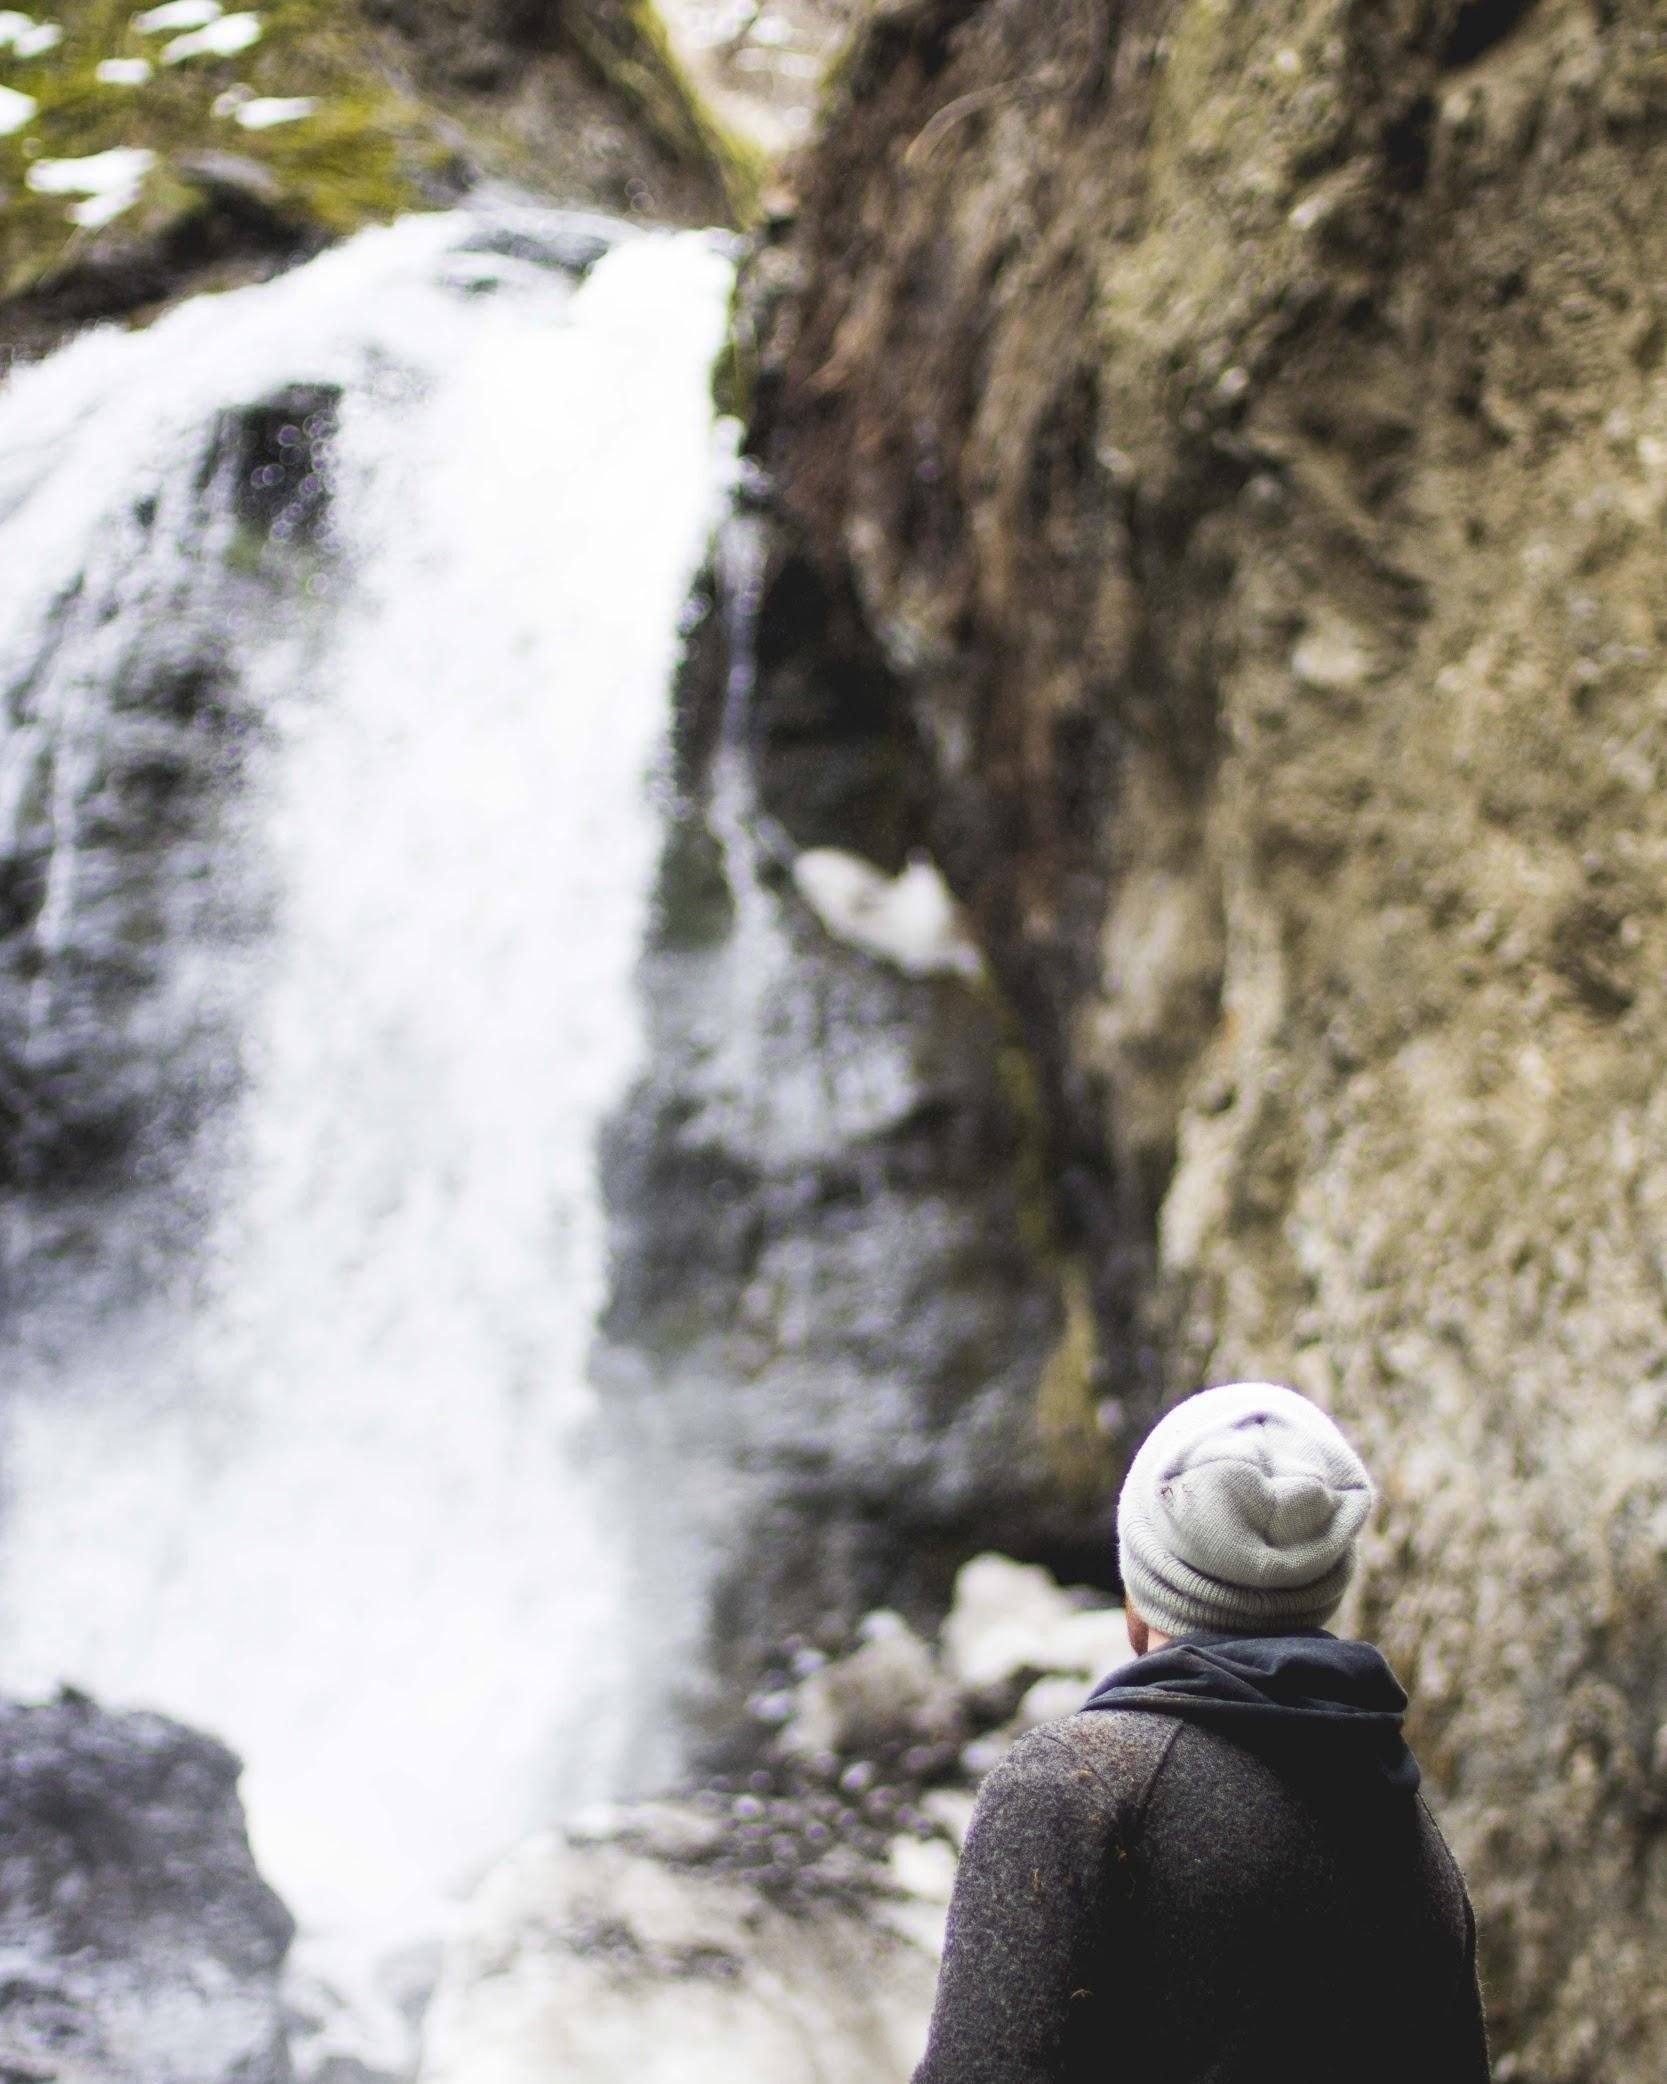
pixel 784 1920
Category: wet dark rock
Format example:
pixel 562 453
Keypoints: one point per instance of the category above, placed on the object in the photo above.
pixel 277 456
pixel 130 731
pixel 570 246
pixel 138 1944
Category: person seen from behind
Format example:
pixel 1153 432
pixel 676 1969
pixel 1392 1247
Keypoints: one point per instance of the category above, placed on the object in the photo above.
pixel 1221 1869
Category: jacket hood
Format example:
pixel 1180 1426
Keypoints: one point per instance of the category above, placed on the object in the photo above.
pixel 1308 1696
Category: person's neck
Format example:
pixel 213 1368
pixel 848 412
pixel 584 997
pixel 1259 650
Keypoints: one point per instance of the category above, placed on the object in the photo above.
pixel 1143 1637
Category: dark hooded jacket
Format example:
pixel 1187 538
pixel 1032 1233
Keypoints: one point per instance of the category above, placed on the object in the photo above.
pixel 1220 1872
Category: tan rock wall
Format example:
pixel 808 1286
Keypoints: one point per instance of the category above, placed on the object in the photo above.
pixel 1247 426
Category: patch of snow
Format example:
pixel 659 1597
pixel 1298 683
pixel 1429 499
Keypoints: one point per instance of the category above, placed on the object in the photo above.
pixel 222 39
pixel 26 38
pixel 923 1867
pixel 888 1689
pixel 1051 1700
pixel 233 99
pixel 266 111
pixel 15 110
pixel 109 181
pixel 123 72
pixel 178 14
pixel 1009 1618
pixel 909 920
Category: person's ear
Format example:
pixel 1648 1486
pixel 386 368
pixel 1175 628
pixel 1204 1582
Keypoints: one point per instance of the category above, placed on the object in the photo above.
pixel 1140 1633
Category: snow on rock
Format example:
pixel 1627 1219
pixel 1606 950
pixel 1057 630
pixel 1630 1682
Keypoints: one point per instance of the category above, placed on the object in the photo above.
pixel 888 1690
pixel 108 182
pixel 909 920
pixel 1009 1618
pixel 220 39
pixel 950 1808
pixel 15 110
pixel 123 72
pixel 178 14
pixel 596 1960
pixel 24 37
pixel 266 111
pixel 354 2018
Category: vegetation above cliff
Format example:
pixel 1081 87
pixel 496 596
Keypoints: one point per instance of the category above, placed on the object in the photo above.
pixel 145 149
pixel 350 147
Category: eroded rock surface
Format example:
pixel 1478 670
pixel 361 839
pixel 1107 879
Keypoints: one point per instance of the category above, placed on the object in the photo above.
pixel 1245 430
pixel 138 1945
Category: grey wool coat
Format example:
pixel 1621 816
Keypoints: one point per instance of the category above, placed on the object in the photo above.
pixel 1141 1898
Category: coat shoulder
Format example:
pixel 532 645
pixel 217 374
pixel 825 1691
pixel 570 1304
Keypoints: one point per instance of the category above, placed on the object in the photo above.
pixel 1111 1757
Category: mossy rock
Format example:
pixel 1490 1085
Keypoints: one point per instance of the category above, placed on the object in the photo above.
pixel 367 152
pixel 593 109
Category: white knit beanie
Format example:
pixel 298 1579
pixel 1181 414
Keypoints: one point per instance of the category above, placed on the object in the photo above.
pixel 1240 1513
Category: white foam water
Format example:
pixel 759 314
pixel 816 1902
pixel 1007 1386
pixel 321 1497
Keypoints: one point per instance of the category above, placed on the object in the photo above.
pixel 330 1496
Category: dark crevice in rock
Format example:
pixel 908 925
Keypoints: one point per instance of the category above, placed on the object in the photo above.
pixel 836 753
pixel 1479 25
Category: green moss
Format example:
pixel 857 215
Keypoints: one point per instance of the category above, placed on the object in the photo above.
pixel 1067 1418
pixel 370 150
pixel 1067 1392
pixel 360 158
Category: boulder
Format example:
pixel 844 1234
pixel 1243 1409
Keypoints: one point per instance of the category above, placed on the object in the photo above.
pixel 889 1690
pixel 138 1944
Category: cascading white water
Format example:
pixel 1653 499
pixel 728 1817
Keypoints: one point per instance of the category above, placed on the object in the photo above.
pixel 326 1492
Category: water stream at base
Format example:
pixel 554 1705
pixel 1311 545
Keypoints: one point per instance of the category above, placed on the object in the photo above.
pixel 319 1483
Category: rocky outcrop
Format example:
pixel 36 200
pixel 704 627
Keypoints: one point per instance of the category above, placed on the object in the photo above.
pixel 1245 432
pixel 837 1355
pixel 138 1945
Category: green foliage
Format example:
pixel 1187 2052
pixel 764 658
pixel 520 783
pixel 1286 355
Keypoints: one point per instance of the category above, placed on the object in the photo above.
pixel 361 157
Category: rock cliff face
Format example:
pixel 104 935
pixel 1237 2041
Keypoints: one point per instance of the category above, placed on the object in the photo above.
pixel 1245 431
pixel 832 1302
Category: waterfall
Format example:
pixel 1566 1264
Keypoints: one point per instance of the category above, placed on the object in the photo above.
pixel 339 618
